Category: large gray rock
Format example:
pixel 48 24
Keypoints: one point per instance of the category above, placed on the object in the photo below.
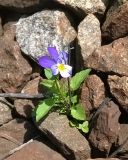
pixel 68 140
pixel 119 89
pixel 89 37
pixel 47 28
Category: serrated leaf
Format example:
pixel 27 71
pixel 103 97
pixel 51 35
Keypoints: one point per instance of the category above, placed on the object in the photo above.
pixel 78 79
pixel 42 109
pixel 78 112
pixel 85 127
pixel 48 83
pixel 48 73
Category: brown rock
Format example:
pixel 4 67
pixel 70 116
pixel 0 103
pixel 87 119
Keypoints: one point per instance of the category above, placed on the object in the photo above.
pixel 123 136
pixel 36 151
pixel 1 29
pixel 116 24
pixel 24 106
pixel 13 77
pixel 5 112
pixel 92 93
pixel 89 37
pixel 119 89
pixel 111 58
pixel 71 143
pixel 15 133
pixel 106 128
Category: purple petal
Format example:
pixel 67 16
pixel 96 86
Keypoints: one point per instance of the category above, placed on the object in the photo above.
pixel 54 69
pixel 64 56
pixel 53 52
pixel 46 62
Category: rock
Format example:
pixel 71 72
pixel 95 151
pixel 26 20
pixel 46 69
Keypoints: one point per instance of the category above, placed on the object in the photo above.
pixel 86 7
pixel 104 159
pixel 89 38
pixel 1 29
pixel 123 135
pixel 5 112
pixel 15 133
pixel 71 143
pixel 92 93
pixel 119 89
pixel 35 151
pixel 116 23
pixel 24 106
pixel 13 77
pixel 47 28
pixel 110 58
pixel 105 128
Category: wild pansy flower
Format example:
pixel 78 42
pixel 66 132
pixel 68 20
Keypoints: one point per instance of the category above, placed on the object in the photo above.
pixel 56 62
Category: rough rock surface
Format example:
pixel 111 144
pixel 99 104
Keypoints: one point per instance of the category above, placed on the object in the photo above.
pixel 110 58
pixel 24 106
pixel 92 93
pixel 89 6
pixel 35 151
pixel 47 28
pixel 106 128
pixel 119 89
pixel 1 30
pixel 69 140
pixel 15 133
pixel 89 36
pixel 116 23
pixel 12 77
pixel 5 112
pixel 123 135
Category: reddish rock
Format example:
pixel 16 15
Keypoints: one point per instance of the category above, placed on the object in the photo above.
pixel 15 133
pixel 119 89
pixel 110 58
pixel 1 29
pixel 36 151
pixel 13 77
pixel 92 93
pixel 123 136
pixel 116 24
pixel 71 143
pixel 105 128
pixel 24 106
pixel 5 112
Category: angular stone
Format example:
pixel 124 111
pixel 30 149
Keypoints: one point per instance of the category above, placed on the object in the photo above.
pixel 123 135
pixel 110 58
pixel 119 89
pixel 116 23
pixel 1 29
pixel 89 36
pixel 86 7
pixel 47 28
pixel 35 151
pixel 92 93
pixel 24 106
pixel 13 77
pixel 105 128
pixel 15 133
pixel 5 112
pixel 68 140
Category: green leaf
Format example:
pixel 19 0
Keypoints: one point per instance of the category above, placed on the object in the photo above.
pixel 48 73
pixel 42 109
pixel 85 127
pixel 78 79
pixel 78 112
pixel 74 99
pixel 48 83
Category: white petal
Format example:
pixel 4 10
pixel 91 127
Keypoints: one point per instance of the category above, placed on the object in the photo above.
pixel 54 69
pixel 67 72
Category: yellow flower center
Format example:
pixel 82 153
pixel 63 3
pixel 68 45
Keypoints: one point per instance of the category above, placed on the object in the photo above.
pixel 61 67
